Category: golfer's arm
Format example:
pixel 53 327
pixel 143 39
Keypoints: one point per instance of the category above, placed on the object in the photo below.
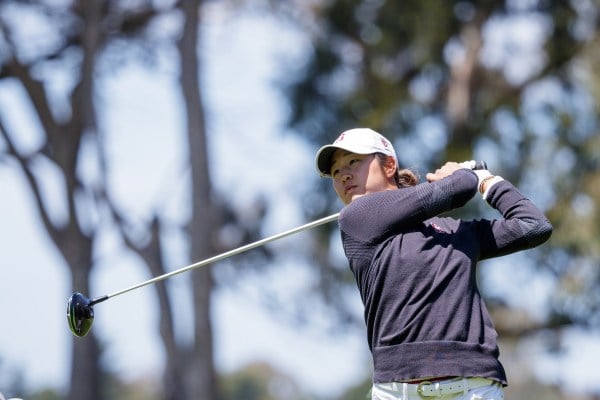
pixel 373 217
pixel 524 226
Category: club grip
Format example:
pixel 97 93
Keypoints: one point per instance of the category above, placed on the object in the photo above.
pixel 472 164
pixel 480 165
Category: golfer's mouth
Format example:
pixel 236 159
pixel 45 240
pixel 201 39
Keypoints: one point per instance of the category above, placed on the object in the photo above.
pixel 350 188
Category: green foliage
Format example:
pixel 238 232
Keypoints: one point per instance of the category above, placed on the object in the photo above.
pixel 259 381
pixel 44 394
pixel 448 81
pixel 360 391
pixel 145 388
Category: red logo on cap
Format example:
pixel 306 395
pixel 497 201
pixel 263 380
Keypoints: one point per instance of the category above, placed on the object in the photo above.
pixel 340 138
pixel 385 143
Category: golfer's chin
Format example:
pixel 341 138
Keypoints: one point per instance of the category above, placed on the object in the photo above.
pixel 351 197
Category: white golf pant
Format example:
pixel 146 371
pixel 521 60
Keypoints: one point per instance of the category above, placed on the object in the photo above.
pixel 455 389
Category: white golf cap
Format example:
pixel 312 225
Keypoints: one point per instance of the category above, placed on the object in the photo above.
pixel 358 141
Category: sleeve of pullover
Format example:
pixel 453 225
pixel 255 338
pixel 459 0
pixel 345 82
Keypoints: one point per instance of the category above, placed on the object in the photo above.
pixel 373 217
pixel 523 225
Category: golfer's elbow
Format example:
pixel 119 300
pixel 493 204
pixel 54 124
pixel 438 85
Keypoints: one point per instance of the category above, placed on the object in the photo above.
pixel 538 232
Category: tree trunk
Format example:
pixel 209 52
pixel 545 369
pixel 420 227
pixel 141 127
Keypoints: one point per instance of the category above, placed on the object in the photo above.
pixel 174 366
pixel 76 246
pixel 85 373
pixel 200 373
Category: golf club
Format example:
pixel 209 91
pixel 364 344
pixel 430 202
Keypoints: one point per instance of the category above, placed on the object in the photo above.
pixel 80 312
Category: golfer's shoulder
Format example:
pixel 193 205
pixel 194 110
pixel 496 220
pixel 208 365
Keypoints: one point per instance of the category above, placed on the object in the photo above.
pixel 363 217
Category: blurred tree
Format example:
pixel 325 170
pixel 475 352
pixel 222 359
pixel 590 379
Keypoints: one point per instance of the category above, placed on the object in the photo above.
pixel 198 367
pixel 509 82
pixel 259 381
pixel 358 392
pixel 46 394
pixel 75 41
pixel 255 381
pixel 144 388
pixel 57 67
pixel 445 80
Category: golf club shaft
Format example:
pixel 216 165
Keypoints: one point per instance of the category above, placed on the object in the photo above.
pixel 220 257
pixel 467 164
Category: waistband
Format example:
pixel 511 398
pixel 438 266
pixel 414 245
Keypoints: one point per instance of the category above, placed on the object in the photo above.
pixel 429 389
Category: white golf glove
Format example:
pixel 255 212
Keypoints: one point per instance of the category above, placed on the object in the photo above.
pixel 483 176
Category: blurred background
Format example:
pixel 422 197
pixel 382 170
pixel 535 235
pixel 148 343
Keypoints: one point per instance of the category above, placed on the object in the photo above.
pixel 138 136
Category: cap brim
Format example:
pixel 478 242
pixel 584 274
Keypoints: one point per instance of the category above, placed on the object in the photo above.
pixel 324 159
pixel 325 154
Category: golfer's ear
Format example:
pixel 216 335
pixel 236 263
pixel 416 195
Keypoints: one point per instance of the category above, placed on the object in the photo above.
pixel 390 167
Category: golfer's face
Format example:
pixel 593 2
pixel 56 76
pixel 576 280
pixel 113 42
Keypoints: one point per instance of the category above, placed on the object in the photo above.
pixel 355 175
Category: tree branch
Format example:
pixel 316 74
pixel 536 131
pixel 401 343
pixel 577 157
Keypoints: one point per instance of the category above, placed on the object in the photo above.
pixel 23 161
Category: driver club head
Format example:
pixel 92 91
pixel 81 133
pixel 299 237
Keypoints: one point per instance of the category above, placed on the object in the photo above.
pixel 80 314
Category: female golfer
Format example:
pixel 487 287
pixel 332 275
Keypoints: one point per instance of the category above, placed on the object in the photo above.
pixel 428 329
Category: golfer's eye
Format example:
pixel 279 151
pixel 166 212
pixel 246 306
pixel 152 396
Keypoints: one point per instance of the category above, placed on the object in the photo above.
pixel 335 172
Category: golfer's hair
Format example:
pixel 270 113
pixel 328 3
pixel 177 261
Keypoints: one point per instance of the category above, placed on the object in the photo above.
pixel 404 177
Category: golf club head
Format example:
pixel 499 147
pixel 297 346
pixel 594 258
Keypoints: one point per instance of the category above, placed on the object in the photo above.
pixel 80 314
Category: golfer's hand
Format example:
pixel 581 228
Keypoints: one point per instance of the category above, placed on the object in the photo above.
pixel 444 171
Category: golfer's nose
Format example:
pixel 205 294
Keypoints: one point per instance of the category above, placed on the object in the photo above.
pixel 346 177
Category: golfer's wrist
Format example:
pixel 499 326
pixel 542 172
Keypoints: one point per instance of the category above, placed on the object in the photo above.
pixel 485 181
pixel 487 185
